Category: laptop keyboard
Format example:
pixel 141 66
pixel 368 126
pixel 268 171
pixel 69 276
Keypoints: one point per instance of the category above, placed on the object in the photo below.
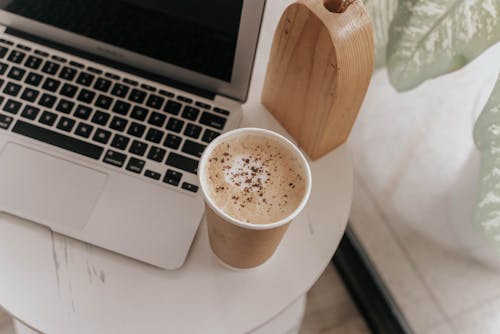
pixel 101 115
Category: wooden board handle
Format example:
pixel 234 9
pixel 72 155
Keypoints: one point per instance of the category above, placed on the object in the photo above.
pixel 338 6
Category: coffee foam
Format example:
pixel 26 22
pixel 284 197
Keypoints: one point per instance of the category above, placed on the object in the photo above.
pixel 255 178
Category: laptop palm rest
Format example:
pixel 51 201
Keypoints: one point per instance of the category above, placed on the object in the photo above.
pixel 46 189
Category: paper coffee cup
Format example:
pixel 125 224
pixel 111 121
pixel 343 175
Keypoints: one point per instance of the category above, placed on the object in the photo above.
pixel 240 244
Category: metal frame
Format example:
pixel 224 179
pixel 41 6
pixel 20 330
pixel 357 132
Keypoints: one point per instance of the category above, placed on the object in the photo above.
pixel 367 289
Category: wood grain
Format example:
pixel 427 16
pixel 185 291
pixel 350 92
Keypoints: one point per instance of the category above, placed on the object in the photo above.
pixel 318 73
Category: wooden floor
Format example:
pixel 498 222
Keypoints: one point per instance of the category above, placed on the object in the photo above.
pixel 6 326
pixel 329 310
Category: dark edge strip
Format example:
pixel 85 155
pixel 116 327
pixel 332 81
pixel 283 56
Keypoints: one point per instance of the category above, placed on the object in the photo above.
pixel 367 289
pixel 114 64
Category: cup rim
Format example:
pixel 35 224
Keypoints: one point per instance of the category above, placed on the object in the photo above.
pixel 240 223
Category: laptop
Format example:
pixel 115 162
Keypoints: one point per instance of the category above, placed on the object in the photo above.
pixel 106 108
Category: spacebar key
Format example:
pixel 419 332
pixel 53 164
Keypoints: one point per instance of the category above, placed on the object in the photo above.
pixel 57 139
pixel 182 162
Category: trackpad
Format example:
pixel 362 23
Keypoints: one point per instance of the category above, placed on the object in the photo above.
pixel 46 189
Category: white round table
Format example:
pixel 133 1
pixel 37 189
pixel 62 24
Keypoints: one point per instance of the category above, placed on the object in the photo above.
pixel 55 284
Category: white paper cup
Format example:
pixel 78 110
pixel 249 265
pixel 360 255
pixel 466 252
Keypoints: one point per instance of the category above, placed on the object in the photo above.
pixel 236 243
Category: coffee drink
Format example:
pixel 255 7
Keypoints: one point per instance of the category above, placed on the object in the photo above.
pixel 255 178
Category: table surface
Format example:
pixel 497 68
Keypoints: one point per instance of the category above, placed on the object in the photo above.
pixel 56 284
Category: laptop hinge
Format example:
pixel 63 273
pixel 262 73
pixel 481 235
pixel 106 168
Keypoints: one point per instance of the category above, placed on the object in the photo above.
pixel 117 65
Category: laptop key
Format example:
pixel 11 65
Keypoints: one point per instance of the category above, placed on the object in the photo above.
pixel 86 96
pixel 139 113
pixel 221 111
pixel 33 79
pixel 154 135
pixel 29 94
pixel 50 67
pixel 67 73
pixel 203 105
pixel 120 142
pixel 135 165
pixel 190 113
pixel 156 154
pixel 65 106
pixel 12 106
pixel 189 187
pixel 209 135
pixel 66 124
pixel 41 53
pixel 119 90
pixel 172 177
pixel 184 99
pixel 137 96
pixel 12 89
pixel 84 130
pixel 83 112
pixel 23 47
pixel 51 84
pixel 136 129
pixel 103 101
pixel 16 56
pixel 101 136
pixel 30 112
pixel 76 64
pixel 182 162
pixel 166 93
pixel 192 148
pixel 16 73
pixel 172 107
pixel 57 139
pixel 212 120
pixel 48 118
pixel 33 62
pixel 175 124
pixel 172 141
pixel 152 174
pixel 100 117
pixel 118 123
pixel 157 119
pixel 192 130
pixel 94 70
pixel 138 147
pixel 5 121
pixel 155 101
pixel 59 59
pixel 130 81
pixel 5 41
pixel 3 51
pixel 3 68
pixel 47 100
pixel 102 85
pixel 111 76
pixel 85 79
pixel 148 87
pixel 114 158
pixel 68 90
pixel 121 107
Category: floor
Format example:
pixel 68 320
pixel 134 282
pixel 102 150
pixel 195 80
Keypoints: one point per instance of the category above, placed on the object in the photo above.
pixel 414 162
pixel 6 326
pixel 438 291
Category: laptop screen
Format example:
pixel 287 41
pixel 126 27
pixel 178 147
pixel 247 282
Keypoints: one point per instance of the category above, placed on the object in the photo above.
pixel 198 35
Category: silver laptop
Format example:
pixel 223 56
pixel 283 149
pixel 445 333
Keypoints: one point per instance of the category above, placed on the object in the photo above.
pixel 106 108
